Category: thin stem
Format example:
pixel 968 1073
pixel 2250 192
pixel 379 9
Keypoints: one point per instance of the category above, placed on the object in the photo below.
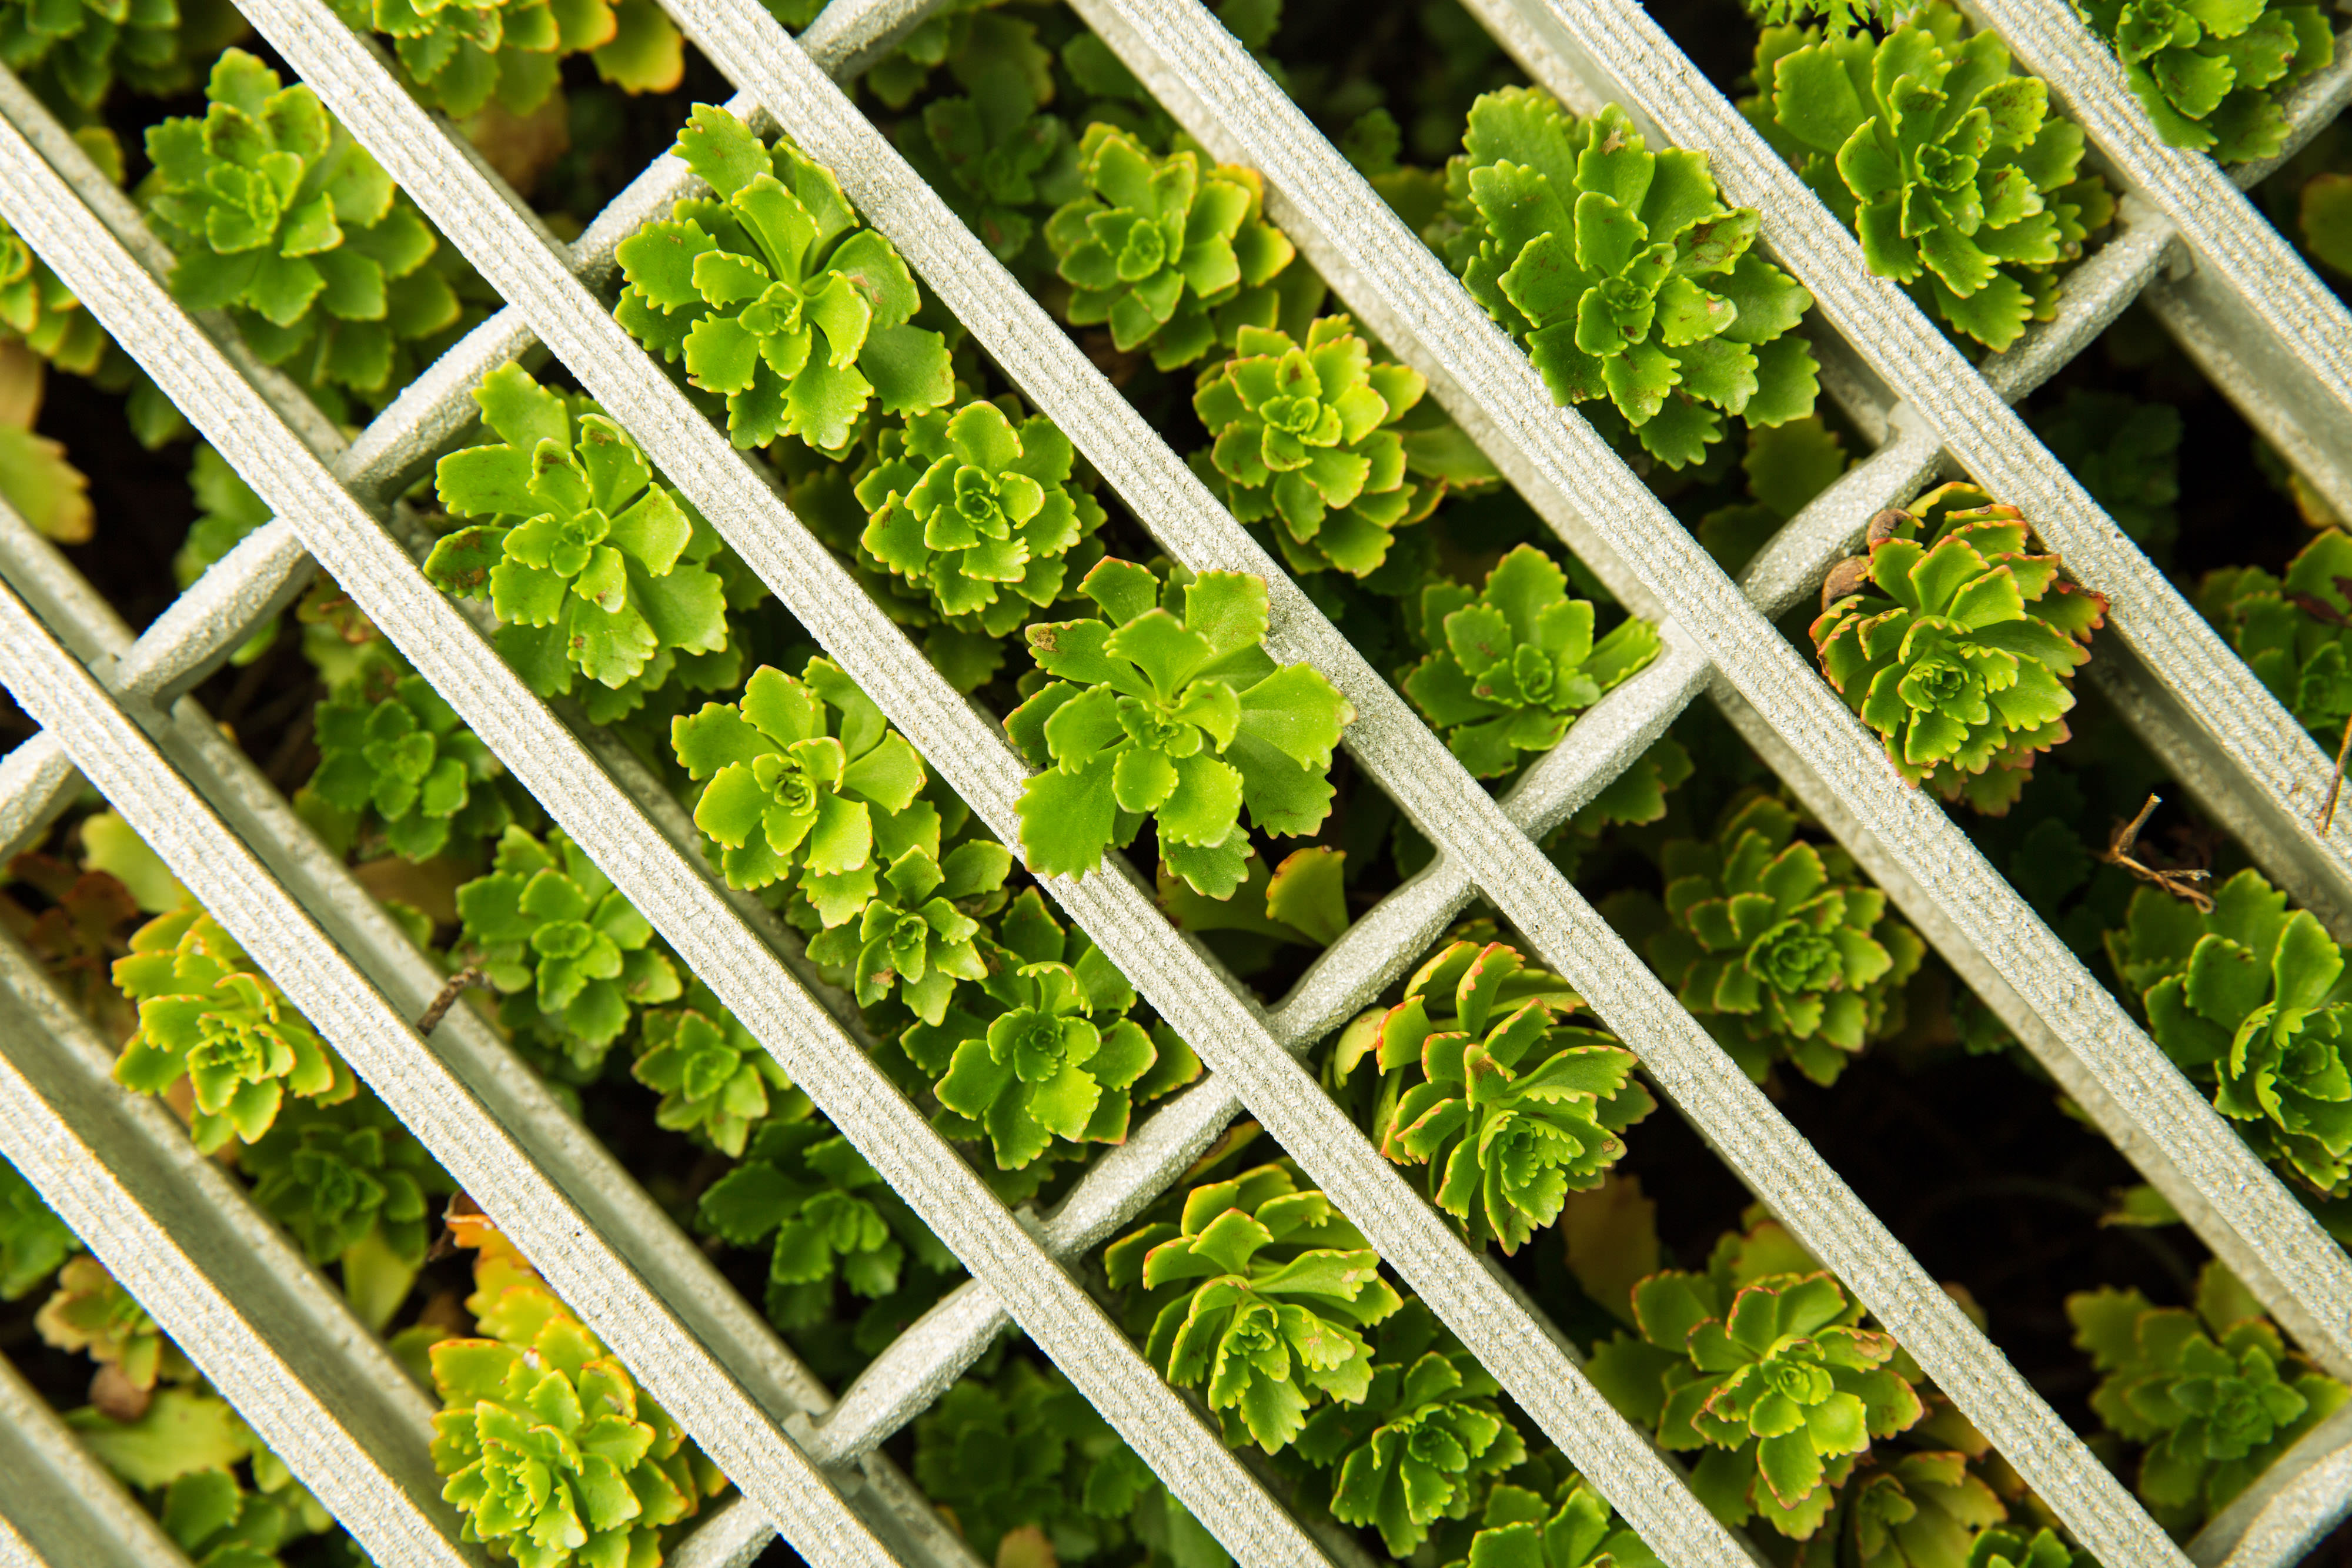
pixel 2336 783
pixel 2123 849
pixel 446 997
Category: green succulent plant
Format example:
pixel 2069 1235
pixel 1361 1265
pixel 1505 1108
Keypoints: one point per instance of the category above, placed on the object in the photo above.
pixel 207 1015
pixel 2253 1001
pixel 1764 1372
pixel 2210 1397
pixel 917 936
pixel 1184 719
pixel 34 1242
pixel 592 563
pixel 351 1186
pixel 1173 253
pixel 2126 453
pixel 715 1081
pixel 1022 1460
pixel 1779 946
pixel 217 1523
pixel 1922 1509
pixel 278 215
pixel 1957 644
pixel 1042 1067
pixel 777 298
pixel 76 938
pixel 2295 633
pixel 403 765
pixel 72 52
pixel 1569 1525
pixel 833 1220
pixel 796 776
pixel 1515 662
pixel 2210 76
pixel 2045 1547
pixel 90 1314
pixel 553 1454
pixel 572 958
pixel 458 55
pixel 1958 179
pixel 1839 18
pixel 36 307
pixel 1261 1291
pixel 991 151
pixel 1481 1080
pixel 1306 439
pixel 1424 1444
pixel 981 515
pixel 1623 274
pixel 1046 1049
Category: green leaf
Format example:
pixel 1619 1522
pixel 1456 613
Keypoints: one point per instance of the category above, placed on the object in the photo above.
pixel 180 1433
pixel 1306 891
pixel 1297 713
pixel 1813 99
pixel 1067 820
pixel 721 149
pixel 646 54
pixel 2325 213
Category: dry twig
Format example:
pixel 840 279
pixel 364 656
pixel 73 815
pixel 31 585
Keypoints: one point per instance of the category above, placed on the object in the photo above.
pixel 2336 782
pixel 2327 614
pixel 447 996
pixel 2122 849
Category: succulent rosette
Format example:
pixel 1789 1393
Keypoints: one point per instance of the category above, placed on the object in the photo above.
pixel 553 1454
pixel 2293 632
pixel 1953 173
pixel 208 1015
pixel 1171 253
pixel 1769 1380
pixel 595 566
pixel 2253 1000
pixel 715 1080
pixel 404 764
pixel 1513 664
pixel 278 215
pixel 1958 643
pixel 981 514
pixel 72 52
pixel 777 298
pixel 795 776
pixel 1779 946
pixel 1481 1080
pixel 1168 708
pixel 1261 1291
pixel 1423 1445
pixel 1306 438
pixel 353 1187
pixel 573 958
pixel 36 305
pixel 1044 1048
pixel 1623 274
pixel 2210 76
pixel 2210 1397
